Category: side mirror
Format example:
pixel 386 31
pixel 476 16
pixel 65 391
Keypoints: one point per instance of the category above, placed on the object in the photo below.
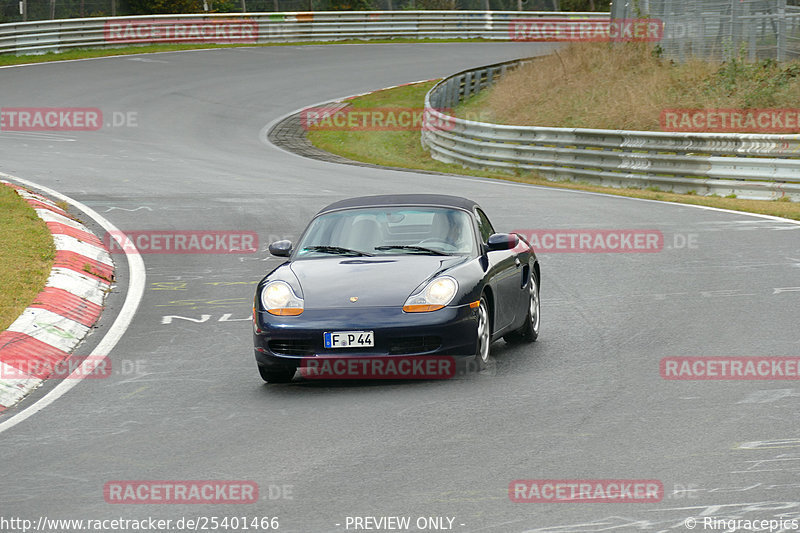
pixel 502 241
pixel 281 248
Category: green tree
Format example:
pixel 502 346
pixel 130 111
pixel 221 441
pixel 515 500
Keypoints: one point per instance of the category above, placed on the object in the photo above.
pixel 585 5
pixel 162 7
pixel 351 5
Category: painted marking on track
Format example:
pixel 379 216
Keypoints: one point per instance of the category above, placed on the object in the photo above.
pixel 770 444
pixel 145 60
pixel 121 324
pixel 769 395
pixel 168 286
pixel 779 290
pixel 183 285
pixel 196 304
pixel 167 319
pixel 35 136
pixel 227 283
pixel 226 317
pixel 780 464
pixel 126 209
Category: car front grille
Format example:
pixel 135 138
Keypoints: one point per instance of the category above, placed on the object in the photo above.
pixel 410 345
pixel 291 347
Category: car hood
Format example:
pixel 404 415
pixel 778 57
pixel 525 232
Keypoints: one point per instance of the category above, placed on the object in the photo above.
pixel 375 281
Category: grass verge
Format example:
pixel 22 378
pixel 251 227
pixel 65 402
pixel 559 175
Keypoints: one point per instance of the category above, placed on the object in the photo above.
pixel 402 149
pixel 85 53
pixel 626 87
pixel 26 255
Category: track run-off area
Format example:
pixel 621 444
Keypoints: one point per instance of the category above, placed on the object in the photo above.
pixel 182 148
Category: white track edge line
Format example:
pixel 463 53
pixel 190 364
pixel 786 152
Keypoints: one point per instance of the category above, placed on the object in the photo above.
pixel 133 298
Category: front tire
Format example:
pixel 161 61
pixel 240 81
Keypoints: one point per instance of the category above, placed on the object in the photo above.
pixel 529 331
pixel 484 336
pixel 283 375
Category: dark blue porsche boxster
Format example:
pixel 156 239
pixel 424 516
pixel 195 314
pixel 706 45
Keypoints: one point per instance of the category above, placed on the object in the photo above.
pixel 406 275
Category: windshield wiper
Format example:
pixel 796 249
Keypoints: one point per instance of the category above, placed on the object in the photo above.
pixel 336 250
pixel 410 248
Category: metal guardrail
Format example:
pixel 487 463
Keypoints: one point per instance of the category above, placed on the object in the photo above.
pixel 58 35
pixel 758 166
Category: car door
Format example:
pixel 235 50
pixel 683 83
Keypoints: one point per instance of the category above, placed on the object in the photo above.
pixel 505 275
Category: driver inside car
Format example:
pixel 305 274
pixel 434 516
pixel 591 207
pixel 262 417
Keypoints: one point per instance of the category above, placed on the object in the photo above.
pixel 448 229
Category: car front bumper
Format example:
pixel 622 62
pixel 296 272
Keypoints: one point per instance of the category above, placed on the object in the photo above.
pixel 284 341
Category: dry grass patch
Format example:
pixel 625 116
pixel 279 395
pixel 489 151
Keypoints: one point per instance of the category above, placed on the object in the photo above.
pixel 598 85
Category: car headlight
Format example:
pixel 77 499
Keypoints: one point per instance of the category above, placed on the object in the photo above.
pixel 437 293
pixel 279 299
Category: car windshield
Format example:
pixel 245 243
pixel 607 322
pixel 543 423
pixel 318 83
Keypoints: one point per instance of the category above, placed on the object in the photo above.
pixel 389 231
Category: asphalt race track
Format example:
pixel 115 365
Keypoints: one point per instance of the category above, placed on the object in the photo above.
pixel 584 402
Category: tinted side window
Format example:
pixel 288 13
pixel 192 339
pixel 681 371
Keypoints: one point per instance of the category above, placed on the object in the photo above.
pixel 484 226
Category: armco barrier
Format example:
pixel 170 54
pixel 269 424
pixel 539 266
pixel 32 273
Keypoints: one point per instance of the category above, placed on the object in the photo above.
pixel 755 166
pixel 57 35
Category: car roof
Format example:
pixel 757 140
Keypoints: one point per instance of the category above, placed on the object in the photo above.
pixel 428 200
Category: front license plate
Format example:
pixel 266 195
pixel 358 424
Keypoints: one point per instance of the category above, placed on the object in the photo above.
pixel 349 339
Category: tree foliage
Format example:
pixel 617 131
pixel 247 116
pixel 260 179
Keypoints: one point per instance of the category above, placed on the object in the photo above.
pixel 351 5
pixel 163 7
